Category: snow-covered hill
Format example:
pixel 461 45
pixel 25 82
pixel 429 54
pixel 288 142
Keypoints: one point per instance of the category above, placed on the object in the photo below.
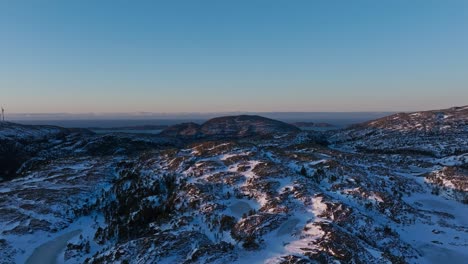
pixel 438 133
pixel 10 130
pixel 451 120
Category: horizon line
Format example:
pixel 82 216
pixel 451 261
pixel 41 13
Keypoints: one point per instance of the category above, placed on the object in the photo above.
pixel 198 113
pixel 161 113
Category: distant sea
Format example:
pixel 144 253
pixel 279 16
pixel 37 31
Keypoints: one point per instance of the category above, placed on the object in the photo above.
pixel 106 123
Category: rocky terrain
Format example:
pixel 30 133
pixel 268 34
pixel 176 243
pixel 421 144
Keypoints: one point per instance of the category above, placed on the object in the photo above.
pixel 242 189
pixel 418 133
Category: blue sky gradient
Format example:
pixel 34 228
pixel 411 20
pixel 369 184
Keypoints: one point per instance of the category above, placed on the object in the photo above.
pixel 219 56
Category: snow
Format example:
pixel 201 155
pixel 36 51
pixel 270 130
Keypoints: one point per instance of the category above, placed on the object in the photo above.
pixel 318 206
pixel 288 227
pixel 239 207
pixel 292 237
pixel 375 198
pixel 33 247
pixel 317 162
pixel 49 251
pixel 421 235
pixel 227 156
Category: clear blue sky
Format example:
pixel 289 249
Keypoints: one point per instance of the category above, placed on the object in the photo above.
pixel 210 56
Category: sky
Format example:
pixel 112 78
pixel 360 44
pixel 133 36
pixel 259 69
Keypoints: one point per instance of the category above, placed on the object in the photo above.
pixel 221 56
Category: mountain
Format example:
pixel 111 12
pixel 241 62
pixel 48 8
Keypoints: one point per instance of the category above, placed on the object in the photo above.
pixel 435 121
pixel 245 125
pixel 235 190
pixel 433 133
pixel 233 127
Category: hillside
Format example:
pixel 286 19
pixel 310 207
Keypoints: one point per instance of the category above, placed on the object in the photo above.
pixel 436 121
pixel 435 133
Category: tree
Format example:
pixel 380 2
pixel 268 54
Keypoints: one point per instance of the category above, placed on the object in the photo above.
pixel 303 171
